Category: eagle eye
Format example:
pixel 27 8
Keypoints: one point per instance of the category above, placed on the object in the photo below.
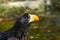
pixel 26 15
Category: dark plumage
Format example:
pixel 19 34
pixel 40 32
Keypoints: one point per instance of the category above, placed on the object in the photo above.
pixel 19 30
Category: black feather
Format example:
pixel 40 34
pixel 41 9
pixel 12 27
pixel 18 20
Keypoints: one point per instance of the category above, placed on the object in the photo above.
pixel 18 31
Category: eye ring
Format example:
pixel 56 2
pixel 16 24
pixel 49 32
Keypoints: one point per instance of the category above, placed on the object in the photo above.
pixel 26 15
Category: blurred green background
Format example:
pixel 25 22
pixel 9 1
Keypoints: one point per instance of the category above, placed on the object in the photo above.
pixel 48 27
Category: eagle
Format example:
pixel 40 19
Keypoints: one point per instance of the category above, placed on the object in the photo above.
pixel 20 29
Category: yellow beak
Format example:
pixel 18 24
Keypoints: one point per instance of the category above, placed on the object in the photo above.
pixel 34 18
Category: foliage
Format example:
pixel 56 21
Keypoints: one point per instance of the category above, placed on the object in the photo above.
pixel 56 4
pixel 11 13
pixel 48 27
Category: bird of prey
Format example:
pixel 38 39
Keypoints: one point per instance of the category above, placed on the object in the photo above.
pixel 20 29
